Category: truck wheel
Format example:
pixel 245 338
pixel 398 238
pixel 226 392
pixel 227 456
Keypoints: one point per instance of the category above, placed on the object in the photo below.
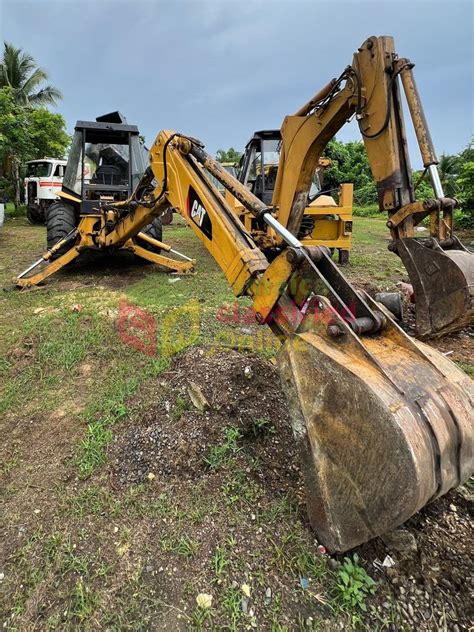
pixel 154 230
pixel 60 221
pixel 34 215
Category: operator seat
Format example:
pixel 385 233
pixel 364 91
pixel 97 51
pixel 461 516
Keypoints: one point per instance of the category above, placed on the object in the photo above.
pixel 270 180
pixel 107 174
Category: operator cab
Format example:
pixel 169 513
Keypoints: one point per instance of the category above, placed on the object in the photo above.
pixel 105 163
pixel 259 166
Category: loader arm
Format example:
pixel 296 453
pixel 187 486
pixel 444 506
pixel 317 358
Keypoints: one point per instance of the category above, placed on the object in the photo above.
pixel 198 201
pixel 383 423
pixel 440 268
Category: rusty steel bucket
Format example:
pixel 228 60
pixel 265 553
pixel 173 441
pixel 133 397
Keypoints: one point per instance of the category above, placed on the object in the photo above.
pixel 443 282
pixel 384 425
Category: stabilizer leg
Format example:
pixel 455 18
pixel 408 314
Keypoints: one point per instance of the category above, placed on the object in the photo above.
pixel 53 266
pixel 167 262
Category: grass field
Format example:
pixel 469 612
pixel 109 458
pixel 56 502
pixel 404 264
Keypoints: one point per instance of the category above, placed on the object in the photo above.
pixel 80 551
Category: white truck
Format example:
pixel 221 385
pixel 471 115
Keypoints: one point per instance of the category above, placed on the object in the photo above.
pixel 44 179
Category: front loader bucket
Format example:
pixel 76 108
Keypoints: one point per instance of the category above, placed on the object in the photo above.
pixel 383 424
pixel 443 282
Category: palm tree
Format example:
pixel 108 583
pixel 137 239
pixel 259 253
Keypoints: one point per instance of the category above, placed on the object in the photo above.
pixel 19 71
pixel 448 170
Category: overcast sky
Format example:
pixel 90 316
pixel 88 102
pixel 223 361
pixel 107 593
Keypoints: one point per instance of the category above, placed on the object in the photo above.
pixel 219 69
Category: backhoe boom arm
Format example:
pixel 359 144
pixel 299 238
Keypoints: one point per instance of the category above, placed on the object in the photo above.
pixel 382 422
pixel 440 268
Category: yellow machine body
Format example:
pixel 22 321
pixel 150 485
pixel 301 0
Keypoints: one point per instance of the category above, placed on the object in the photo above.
pixel 383 423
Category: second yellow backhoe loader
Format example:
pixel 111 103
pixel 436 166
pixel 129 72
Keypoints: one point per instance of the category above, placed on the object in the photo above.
pixel 324 222
pixel 384 424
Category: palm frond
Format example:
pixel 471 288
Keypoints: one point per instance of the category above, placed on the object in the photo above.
pixel 48 95
pixel 3 76
pixel 15 64
pixel 34 80
pixel 19 71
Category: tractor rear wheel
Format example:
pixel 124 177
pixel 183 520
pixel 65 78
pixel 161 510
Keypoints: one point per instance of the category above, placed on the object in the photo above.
pixel 153 230
pixel 60 221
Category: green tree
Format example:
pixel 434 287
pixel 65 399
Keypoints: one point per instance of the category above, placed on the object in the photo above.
pixel 15 142
pixel 349 163
pixel 26 134
pixel 465 183
pixel 48 134
pixel 20 72
pixel 231 155
pixel 467 155
pixel 421 181
pixel 448 169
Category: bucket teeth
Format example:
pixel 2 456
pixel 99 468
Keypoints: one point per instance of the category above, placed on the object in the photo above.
pixel 383 424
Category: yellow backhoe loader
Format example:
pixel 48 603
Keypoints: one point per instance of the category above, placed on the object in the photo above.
pixel 324 222
pixel 384 423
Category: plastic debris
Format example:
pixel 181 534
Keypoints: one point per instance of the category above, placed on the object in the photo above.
pixel 197 397
pixel 204 601
pixel 268 596
pixel 304 583
pixel 388 562
pixel 407 289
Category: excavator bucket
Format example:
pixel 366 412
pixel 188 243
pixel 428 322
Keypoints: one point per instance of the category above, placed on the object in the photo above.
pixel 384 425
pixel 443 282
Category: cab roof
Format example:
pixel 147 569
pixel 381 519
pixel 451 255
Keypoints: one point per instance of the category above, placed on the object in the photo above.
pixel 45 159
pixel 265 134
pixel 114 122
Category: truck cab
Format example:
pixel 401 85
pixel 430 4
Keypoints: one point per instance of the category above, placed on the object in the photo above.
pixel 43 182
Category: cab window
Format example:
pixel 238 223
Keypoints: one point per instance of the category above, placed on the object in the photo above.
pixel 39 169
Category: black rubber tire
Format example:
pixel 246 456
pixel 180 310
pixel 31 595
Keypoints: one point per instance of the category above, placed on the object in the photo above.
pixel 343 258
pixel 34 215
pixel 153 230
pixel 60 221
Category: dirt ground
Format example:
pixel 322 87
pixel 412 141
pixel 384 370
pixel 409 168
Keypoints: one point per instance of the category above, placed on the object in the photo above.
pixel 132 485
pixel 162 449
pixel 431 580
